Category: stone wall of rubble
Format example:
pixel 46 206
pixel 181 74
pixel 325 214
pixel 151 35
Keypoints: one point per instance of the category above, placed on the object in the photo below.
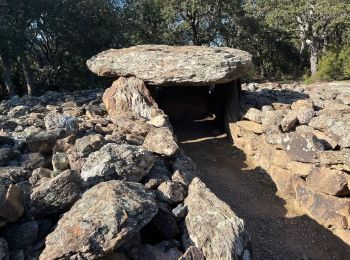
pixel 87 175
pixel 300 135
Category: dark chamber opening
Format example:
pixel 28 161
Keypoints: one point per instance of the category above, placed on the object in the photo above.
pixel 182 103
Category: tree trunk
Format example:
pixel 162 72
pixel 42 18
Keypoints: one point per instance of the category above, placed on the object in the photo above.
pixel 313 57
pixel 7 76
pixel 27 75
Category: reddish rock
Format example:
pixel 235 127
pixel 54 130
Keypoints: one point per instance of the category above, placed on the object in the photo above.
pixel 130 95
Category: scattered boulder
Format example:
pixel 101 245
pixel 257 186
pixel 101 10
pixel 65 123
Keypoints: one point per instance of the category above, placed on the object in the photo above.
pixel 328 210
pixel 130 95
pixel 210 221
pixel 60 162
pixel 101 221
pixel 302 147
pixel 331 182
pixel 89 144
pixel 11 203
pixel 161 141
pixel 31 161
pixel 254 115
pixel 164 65
pixel 172 192
pixel 56 120
pixel 13 175
pixel 117 161
pixel 43 142
pixel 56 195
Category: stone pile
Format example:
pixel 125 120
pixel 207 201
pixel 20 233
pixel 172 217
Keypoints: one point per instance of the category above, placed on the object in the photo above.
pixel 300 135
pixel 91 176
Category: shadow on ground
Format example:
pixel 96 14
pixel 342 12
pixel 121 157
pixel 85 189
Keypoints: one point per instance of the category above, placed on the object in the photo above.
pixel 277 228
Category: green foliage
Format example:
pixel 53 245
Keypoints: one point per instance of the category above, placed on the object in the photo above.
pixel 334 65
pixel 54 38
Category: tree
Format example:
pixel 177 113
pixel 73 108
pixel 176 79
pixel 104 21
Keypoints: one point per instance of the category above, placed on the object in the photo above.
pixel 313 21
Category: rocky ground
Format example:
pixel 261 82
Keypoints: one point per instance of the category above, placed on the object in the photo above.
pixel 279 229
pixel 300 135
pixel 86 175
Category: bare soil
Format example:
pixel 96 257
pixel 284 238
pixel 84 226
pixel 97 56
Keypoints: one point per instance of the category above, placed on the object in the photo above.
pixel 278 229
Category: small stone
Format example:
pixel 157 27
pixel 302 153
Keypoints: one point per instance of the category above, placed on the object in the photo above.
pixel 288 122
pixel 171 192
pixel 254 115
pixel 60 162
pixel 159 121
pixel 161 141
pixel 179 212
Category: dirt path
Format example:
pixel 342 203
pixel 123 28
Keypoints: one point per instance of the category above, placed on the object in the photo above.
pixel 277 228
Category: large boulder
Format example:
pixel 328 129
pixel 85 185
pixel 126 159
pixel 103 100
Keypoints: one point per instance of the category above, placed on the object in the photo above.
pixel 130 95
pixel 117 161
pixel 212 226
pixel 101 221
pixel 56 195
pixel 163 65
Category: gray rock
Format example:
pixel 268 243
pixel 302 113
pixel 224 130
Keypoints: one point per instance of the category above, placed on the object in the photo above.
pixel 179 211
pixel 161 141
pixel 254 115
pixel 101 221
pixel 212 226
pixel 335 125
pixel 60 162
pixel 117 161
pixel 158 174
pixel 302 147
pixel 11 203
pixel 31 161
pixel 89 144
pixel 56 195
pixel 172 192
pixel 43 142
pixel 184 170
pixel 12 175
pixel 56 120
pixel 163 65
